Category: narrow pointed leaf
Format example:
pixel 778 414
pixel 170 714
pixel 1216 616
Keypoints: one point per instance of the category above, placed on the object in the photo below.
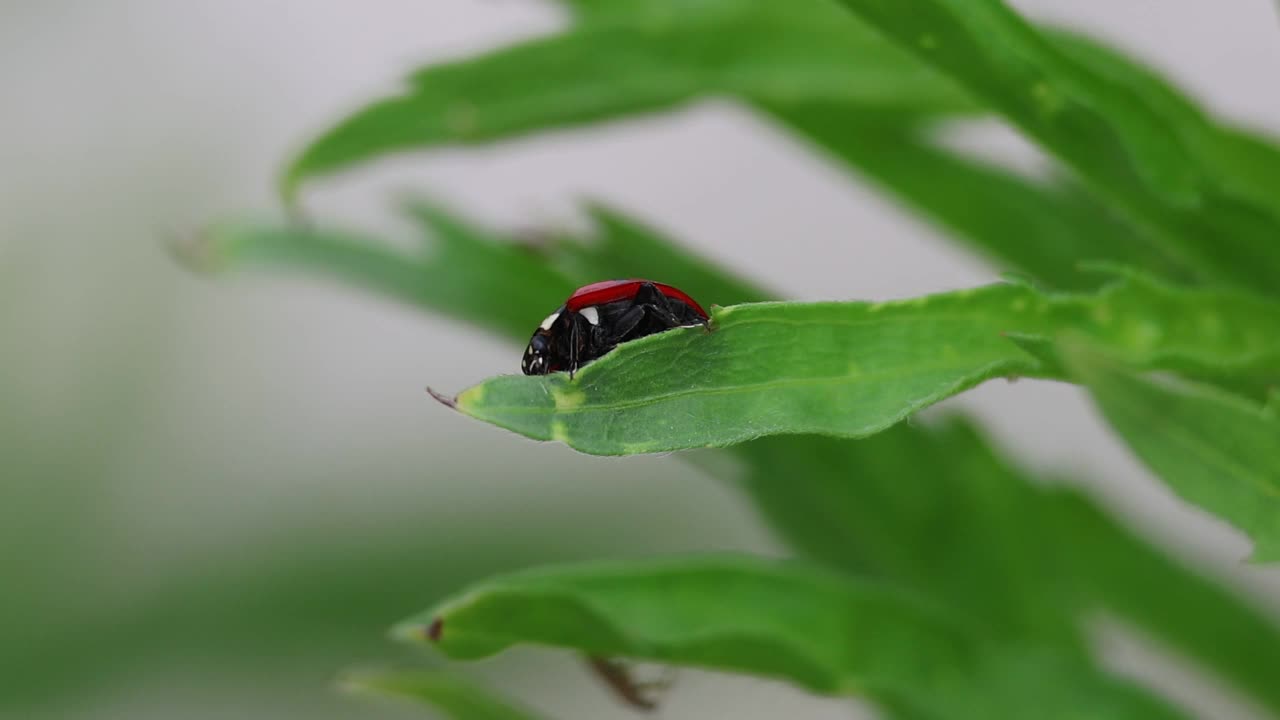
pixel 467 274
pixel 655 61
pixel 1134 142
pixel 447 693
pixel 828 633
pixel 1214 449
pixel 1041 227
pixel 740 614
pixel 853 369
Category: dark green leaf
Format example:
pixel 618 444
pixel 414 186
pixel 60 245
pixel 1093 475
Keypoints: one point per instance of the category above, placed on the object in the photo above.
pixel 1214 449
pixel 853 369
pixel 934 509
pixel 447 693
pixel 1121 573
pixel 657 60
pixel 1131 139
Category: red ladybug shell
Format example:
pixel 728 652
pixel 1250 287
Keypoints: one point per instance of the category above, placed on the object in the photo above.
pixel 608 291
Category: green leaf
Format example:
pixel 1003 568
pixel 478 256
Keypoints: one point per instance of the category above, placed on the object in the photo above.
pixel 653 62
pixel 933 509
pixel 446 692
pixel 1244 164
pixel 825 632
pixel 464 272
pixel 740 614
pixel 930 508
pixel 1215 450
pixel 1132 140
pixel 623 247
pixel 1121 573
pixel 1042 227
pixel 853 369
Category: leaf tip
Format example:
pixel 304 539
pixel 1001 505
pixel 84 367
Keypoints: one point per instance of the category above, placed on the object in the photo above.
pixel 289 186
pixel 447 401
pixel 203 251
pixel 415 631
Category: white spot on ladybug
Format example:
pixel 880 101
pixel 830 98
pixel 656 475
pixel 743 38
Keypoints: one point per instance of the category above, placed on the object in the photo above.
pixel 591 314
pixel 551 320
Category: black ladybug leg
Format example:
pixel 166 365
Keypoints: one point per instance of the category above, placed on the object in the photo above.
pixel 663 314
pixel 622 327
pixel 658 306
pixel 574 341
pixel 649 294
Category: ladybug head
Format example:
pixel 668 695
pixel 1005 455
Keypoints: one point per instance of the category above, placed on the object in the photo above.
pixel 537 357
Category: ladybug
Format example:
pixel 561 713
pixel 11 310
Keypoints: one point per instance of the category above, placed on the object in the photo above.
pixel 598 317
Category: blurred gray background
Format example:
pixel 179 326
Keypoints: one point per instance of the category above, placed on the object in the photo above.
pixel 169 441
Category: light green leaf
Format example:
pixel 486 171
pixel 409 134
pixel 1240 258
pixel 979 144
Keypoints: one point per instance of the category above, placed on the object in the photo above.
pixel 809 51
pixel 828 633
pixel 1131 139
pixel 449 694
pixel 853 369
pixel 1215 450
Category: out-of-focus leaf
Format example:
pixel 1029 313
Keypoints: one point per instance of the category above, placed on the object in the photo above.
pixel 742 614
pixel 540 85
pixel 1215 450
pixel 1043 227
pixel 1029 562
pixel 1134 143
pixel 622 247
pixel 846 503
pixel 825 632
pixel 1244 163
pixel 853 369
pixel 1122 574
pixel 804 50
pixel 493 284
pixel 456 698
